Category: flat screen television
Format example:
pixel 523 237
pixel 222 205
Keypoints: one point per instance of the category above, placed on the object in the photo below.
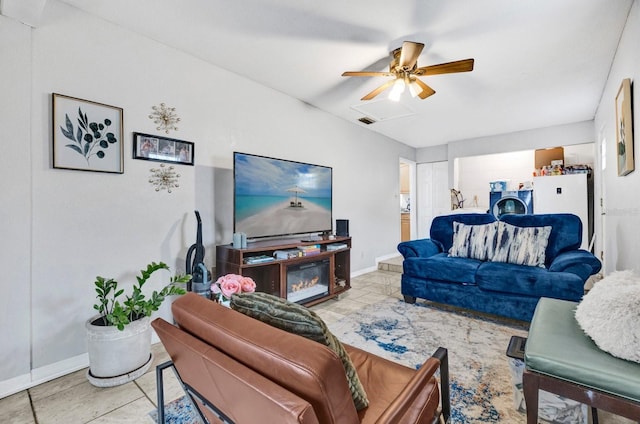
pixel 277 197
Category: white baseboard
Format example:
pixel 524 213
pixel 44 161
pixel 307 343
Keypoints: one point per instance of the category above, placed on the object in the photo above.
pixel 43 374
pixel 385 257
pixel 14 385
pixel 58 369
pixel 375 267
pixel 364 271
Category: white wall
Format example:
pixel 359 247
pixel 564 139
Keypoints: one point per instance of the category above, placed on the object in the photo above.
pixel 539 138
pixel 432 154
pixel 65 227
pixel 474 173
pixel 15 209
pixel 513 143
pixel 621 230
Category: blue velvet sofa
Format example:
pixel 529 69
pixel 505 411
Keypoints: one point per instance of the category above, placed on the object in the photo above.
pixel 502 288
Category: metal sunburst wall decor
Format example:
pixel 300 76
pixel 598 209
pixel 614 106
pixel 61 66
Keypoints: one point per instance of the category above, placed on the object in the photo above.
pixel 164 178
pixel 164 117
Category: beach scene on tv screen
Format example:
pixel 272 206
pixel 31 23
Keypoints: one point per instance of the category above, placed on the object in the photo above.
pixel 278 197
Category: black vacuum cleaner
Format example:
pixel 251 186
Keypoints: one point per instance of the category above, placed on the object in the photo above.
pixel 200 278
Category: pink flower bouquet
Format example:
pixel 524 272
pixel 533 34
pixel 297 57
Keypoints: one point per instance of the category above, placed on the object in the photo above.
pixel 230 284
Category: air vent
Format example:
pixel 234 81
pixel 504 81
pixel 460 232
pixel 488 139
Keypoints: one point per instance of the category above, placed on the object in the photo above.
pixel 383 110
pixel 366 120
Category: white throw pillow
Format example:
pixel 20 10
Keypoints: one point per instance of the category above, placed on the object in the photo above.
pixel 473 241
pixel 610 315
pixel 521 245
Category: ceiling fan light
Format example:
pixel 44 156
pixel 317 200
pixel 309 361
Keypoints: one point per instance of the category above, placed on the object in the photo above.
pixel 397 90
pixel 414 89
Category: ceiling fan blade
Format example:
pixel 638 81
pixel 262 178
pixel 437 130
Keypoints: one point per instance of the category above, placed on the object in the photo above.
pixel 465 65
pixel 409 54
pixel 426 90
pixel 366 74
pixel 379 90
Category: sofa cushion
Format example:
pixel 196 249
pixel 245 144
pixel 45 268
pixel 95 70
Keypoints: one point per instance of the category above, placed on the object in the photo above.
pixel 566 230
pixel 442 267
pixel 385 381
pixel 442 226
pixel 521 245
pixel 297 319
pixel 474 241
pixel 529 281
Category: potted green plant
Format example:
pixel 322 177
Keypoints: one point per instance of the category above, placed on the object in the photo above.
pixel 119 337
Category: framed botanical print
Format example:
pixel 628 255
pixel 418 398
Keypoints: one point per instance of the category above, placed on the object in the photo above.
pixel 87 136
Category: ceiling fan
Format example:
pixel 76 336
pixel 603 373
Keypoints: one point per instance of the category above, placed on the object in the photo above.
pixel 404 69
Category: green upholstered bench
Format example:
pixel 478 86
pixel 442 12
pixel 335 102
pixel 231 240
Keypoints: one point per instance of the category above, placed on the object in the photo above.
pixel 560 358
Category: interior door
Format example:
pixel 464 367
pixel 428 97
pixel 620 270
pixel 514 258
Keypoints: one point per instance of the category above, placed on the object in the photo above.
pixel 432 194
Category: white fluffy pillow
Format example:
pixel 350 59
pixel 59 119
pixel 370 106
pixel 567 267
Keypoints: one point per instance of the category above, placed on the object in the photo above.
pixel 610 315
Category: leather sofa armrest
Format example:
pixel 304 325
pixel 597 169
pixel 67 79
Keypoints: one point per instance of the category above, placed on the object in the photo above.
pixel 579 262
pixel 408 405
pixel 422 248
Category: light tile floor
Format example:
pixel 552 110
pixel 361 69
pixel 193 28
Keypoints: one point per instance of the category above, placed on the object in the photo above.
pixel 72 400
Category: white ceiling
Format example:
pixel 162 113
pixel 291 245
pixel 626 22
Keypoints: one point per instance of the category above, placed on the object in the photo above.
pixel 538 63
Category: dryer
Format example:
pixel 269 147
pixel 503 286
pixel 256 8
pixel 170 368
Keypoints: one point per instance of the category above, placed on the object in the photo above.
pixel 511 202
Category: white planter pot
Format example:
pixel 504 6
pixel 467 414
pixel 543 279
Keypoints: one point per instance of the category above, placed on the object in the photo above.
pixel 114 353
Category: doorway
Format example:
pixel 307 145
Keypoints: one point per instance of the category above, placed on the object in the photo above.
pixel 407 177
pixel 597 244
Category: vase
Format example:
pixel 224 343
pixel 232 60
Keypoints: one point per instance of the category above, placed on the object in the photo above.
pixel 115 356
pixel 225 301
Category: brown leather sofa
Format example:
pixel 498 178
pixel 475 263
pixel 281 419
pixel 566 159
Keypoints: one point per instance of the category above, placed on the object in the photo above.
pixel 241 370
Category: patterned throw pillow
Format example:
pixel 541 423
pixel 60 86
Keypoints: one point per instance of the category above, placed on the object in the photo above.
pixel 474 241
pixel 297 319
pixel 521 245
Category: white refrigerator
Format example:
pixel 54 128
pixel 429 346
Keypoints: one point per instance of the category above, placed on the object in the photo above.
pixel 571 193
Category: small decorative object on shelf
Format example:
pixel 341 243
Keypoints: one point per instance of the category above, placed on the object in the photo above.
pixel 258 259
pixel 164 178
pixel 230 284
pixel 336 246
pixel 164 117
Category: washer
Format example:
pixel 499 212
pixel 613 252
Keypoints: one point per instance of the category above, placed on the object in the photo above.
pixel 511 202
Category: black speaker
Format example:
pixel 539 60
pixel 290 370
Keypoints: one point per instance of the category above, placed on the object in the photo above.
pixel 342 227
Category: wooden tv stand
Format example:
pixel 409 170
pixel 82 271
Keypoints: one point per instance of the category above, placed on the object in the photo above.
pixel 271 277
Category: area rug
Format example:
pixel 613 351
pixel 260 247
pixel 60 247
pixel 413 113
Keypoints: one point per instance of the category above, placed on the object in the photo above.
pixel 480 378
pixel 480 375
pixel 179 411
